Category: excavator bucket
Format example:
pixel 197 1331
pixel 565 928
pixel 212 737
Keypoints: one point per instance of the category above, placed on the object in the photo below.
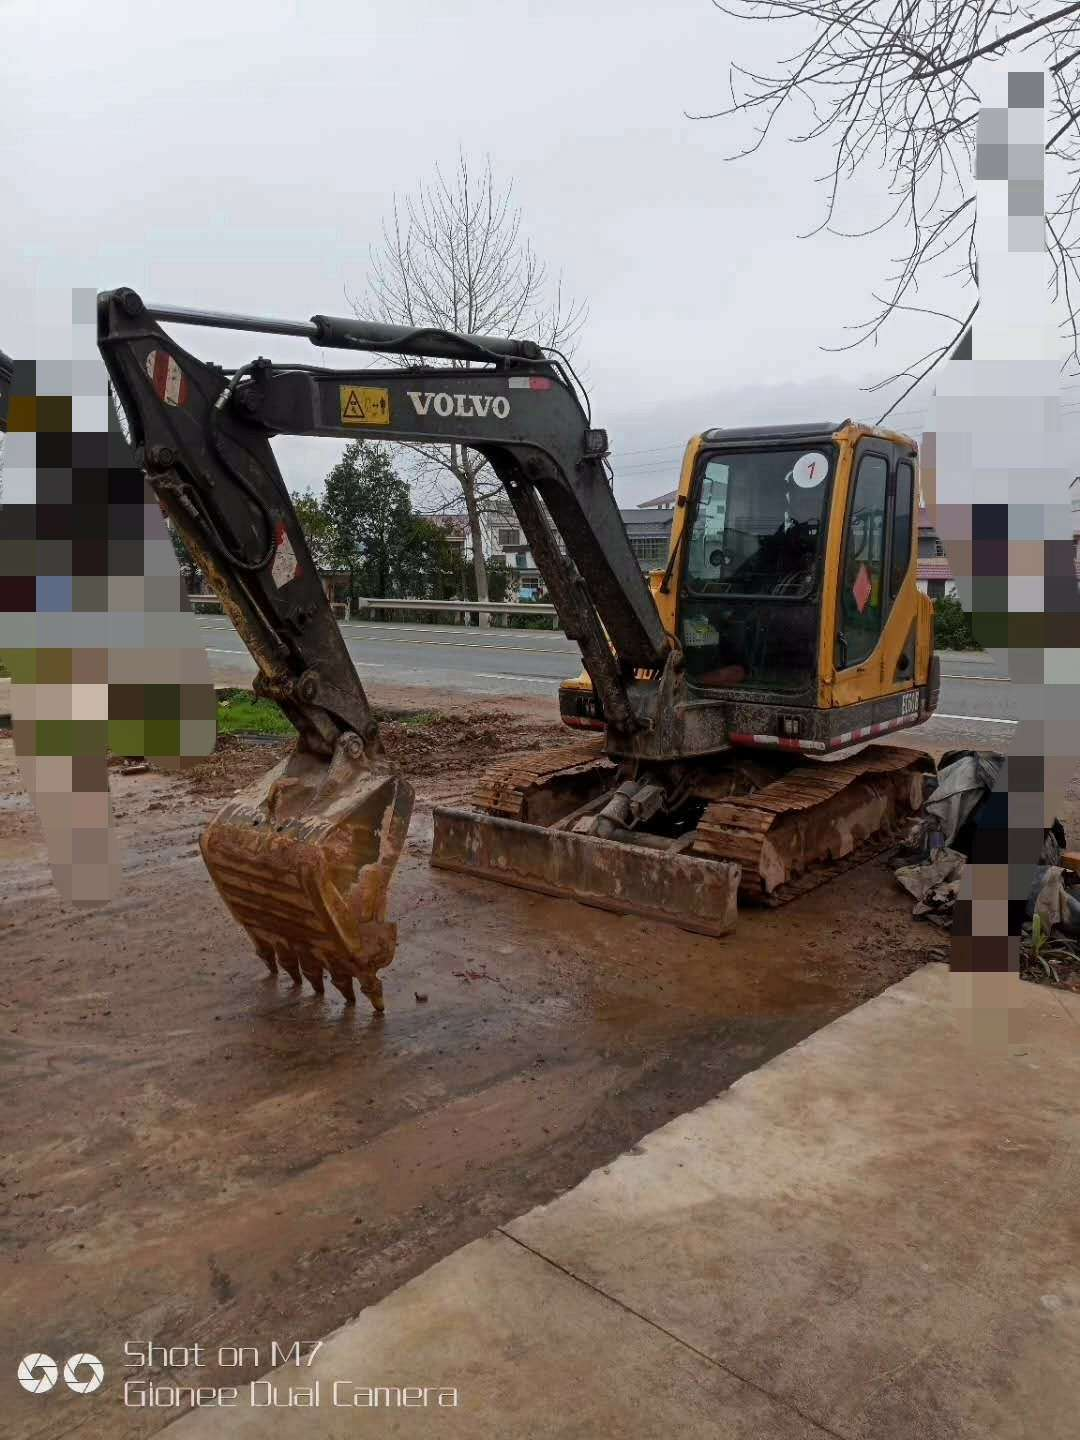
pixel 303 859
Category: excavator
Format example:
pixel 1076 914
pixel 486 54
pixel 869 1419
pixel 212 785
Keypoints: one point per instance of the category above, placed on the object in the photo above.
pixel 727 703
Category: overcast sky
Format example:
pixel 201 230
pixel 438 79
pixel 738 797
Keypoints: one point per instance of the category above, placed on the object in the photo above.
pixel 241 156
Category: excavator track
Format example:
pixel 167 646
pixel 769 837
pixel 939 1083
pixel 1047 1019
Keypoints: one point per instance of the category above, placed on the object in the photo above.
pixel 812 818
pixel 533 790
pixel 820 875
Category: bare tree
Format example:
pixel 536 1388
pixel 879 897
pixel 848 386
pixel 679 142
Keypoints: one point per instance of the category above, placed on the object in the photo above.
pixel 453 257
pixel 887 84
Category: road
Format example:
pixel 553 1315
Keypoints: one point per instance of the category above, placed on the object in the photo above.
pixel 975 696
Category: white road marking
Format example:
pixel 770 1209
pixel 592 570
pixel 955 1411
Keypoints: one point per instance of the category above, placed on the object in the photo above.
pixel 975 719
pixel 978 679
pixel 527 679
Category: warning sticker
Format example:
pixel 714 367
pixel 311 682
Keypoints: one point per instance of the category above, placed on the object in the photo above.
pixel 286 567
pixel 362 405
pixel 863 588
pixel 166 377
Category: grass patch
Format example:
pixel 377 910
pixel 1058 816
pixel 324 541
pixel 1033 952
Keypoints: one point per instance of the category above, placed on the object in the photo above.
pixel 418 719
pixel 240 713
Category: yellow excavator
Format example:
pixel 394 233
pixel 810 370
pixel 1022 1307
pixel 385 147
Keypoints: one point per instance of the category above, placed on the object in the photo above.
pixel 732 694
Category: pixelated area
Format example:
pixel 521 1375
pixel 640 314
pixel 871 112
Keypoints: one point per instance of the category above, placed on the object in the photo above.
pixel 995 478
pixel 95 630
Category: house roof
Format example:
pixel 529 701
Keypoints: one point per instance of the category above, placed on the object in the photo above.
pixel 643 523
pixel 934 567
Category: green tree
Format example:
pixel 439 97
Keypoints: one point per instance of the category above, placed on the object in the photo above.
pixel 373 533
pixel 316 525
pixel 498 578
pixel 952 625
pixel 428 566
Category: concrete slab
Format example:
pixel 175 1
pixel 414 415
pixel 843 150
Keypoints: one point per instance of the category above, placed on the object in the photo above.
pixel 861 1226
pixel 874 1237
pixel 529 1351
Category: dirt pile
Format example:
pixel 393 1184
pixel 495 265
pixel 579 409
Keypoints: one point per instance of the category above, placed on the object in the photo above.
pixel 440 744
pixel 236 762
pixel 423 745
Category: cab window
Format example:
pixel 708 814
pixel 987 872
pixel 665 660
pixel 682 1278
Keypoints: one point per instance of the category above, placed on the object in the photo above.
pixel 900 557
pixel 862 599
pixel 748 614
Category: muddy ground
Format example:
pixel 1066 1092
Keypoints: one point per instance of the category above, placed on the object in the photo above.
pixel 197 1154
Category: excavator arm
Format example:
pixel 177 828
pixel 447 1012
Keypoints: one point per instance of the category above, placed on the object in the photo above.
pixel 205 434
pixel 304 858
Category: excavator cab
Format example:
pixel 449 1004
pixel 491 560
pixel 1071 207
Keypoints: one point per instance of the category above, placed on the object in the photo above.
pixel 791 588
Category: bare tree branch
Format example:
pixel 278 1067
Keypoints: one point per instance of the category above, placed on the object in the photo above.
pixel 453 257
pixel 886 84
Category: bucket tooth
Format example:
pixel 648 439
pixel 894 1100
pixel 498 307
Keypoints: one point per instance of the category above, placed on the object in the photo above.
pixel 313 971
pixel 289 963
pixel 303 859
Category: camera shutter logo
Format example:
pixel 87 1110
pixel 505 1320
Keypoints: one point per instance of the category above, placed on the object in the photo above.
pixel 37 1373
pixel 83 1373
pixel 85 1362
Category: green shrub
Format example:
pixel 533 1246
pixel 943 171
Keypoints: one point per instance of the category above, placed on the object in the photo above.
pixel 952 626
pixel 525 621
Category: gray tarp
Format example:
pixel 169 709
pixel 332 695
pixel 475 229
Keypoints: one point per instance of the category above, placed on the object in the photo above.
pixel 933 874
pixel 962 786
pixel 934 884
pixel 1054 905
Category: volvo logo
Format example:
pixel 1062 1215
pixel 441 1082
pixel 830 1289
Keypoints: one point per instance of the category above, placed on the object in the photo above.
pixel 461 407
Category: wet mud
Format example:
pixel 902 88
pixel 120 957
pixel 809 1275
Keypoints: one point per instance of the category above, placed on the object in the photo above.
pixel 194 1152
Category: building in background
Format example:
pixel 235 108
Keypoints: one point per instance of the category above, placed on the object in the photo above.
pixel 934 577
pixel 456 530
pixel 649 528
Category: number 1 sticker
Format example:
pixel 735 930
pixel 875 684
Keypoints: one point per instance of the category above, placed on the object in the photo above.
pixel 810 470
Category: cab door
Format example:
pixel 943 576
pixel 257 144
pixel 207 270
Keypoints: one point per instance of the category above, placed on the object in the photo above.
pixel 875 586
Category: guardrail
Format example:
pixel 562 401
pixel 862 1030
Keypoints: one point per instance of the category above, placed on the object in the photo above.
pixel 210 604
pixel 463 607
pixel 492 607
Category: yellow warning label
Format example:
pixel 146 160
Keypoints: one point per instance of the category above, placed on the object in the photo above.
pixel 364 406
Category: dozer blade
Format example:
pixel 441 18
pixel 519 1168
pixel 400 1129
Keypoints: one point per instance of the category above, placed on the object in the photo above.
pixel 303 859
pixel 657 884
